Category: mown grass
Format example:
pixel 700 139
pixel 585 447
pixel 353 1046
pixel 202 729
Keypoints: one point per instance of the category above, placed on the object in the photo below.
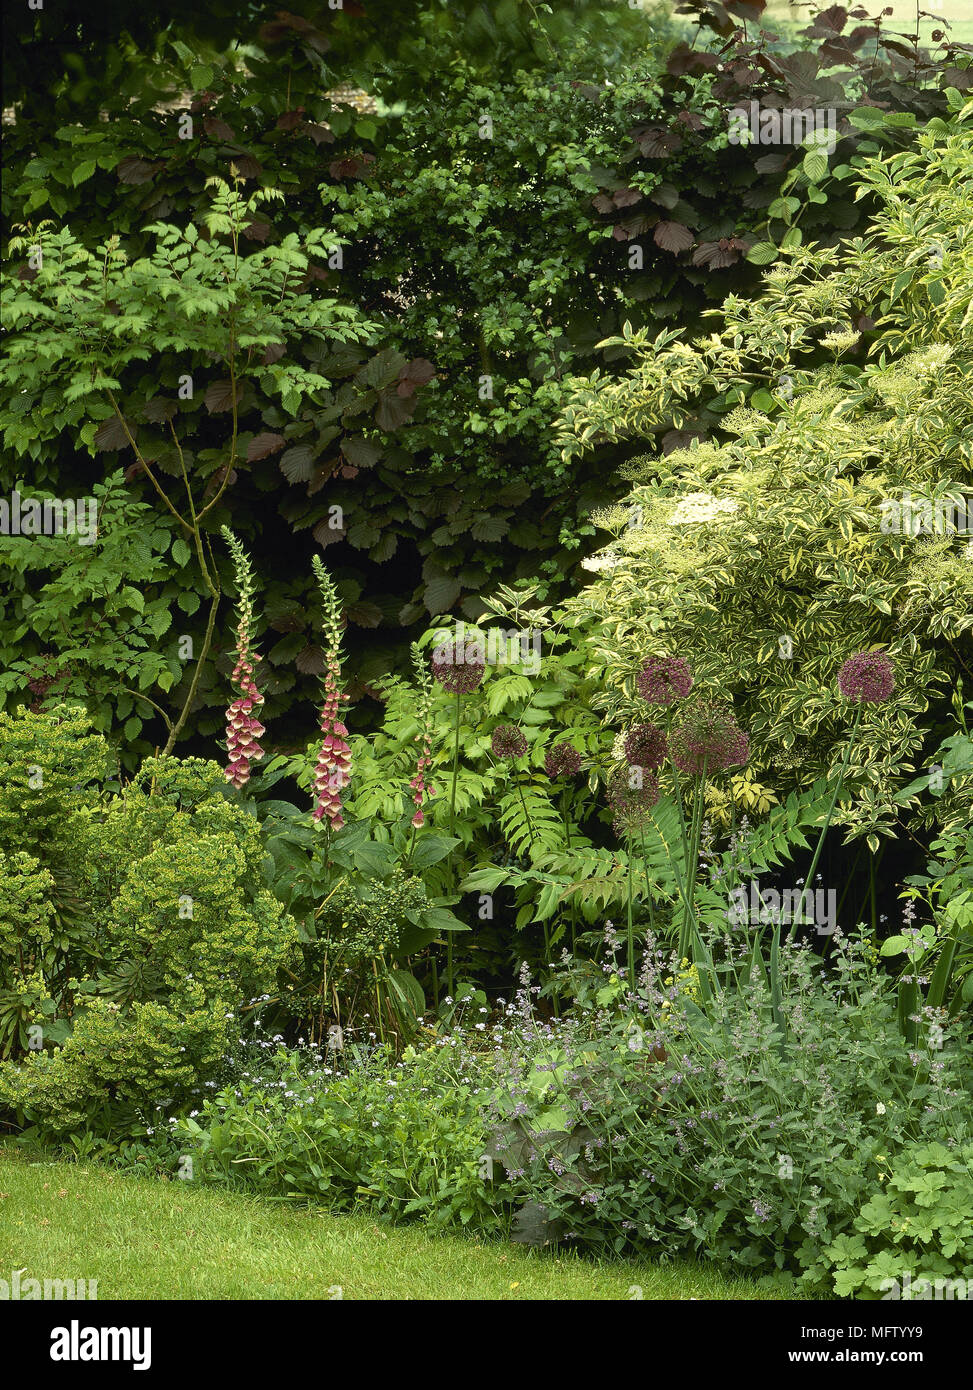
pixel 148 1238
pixel 903 20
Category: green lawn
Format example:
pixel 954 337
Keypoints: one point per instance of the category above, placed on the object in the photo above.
pixel 146 1238
pixel 956 12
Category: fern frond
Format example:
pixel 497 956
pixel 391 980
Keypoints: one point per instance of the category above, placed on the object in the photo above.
pixel 531 824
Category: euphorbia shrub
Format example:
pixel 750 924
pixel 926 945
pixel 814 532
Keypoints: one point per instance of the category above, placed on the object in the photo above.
pixel 122 970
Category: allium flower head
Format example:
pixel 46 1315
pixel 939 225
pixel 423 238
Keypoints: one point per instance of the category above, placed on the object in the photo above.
pixel 457 667
pixel 867 677
pixel 708 739
pixel 508 742
pixel 645 746
pixel 663 680
pixel 563 760
pixel 631 795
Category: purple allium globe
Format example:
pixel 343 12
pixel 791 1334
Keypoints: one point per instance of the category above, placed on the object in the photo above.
pixel 631 805
pixel 663 680
pixel 708 739
pixel 457 667
pixel 646 746
pixel 563 760
pixel 508 742
pixel 867 677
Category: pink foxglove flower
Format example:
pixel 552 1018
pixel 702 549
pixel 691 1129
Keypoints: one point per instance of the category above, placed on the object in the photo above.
pixel 418 782
pixel 332 768
pixel 243 727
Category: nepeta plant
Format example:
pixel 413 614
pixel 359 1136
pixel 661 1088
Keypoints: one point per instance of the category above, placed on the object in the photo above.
pixel 734 1127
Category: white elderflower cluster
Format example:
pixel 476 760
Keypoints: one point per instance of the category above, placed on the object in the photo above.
pixel 841 340
pixel 931 360
pixel 698 507
pixel 606 560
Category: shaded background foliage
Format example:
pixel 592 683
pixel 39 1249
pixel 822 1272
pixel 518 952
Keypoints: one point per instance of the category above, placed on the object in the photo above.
pixel 106 151
pixel 504 259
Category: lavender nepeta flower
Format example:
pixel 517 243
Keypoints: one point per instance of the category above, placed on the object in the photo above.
pixel 457 667
pixel 664 680
pixel 508 742
pixel 867 677
pixel 563 760
pixel 760 1209
pixel 708 740
pixel 645 746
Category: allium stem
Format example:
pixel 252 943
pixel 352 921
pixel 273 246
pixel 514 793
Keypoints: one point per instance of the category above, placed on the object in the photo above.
pixel 681 877
pixel 452 791
pixel 565 816
pixel 809 879
pixel 631 928
pixel 452 831
pixel 648 886
pixel 692 868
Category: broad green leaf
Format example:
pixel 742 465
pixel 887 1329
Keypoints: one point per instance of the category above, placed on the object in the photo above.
pixel 815 166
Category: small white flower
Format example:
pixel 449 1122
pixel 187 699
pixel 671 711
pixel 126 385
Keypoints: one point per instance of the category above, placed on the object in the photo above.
pixel 880 1109
pixel 607 560
pixel 699 507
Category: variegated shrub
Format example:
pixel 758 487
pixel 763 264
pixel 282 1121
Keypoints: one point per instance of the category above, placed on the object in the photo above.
pixel 763 553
